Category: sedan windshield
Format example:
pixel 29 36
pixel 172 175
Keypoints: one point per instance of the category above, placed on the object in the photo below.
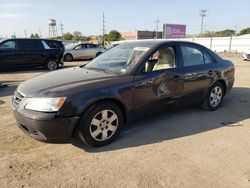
pixel 118 59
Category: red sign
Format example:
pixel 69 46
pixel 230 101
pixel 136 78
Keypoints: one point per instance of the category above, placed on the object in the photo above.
pixel 173 31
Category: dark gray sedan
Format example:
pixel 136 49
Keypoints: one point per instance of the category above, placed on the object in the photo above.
pixel 94 101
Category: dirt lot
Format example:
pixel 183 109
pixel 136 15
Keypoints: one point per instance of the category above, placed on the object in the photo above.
pixel 185 148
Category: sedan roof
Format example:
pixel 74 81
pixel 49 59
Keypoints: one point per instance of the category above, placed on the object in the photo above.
pixel 151 42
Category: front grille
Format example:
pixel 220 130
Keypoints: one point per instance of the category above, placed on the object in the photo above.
pixel 17 98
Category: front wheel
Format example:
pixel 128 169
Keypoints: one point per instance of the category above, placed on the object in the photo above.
pixel 101 124
pixel 214 97
pixel 99 53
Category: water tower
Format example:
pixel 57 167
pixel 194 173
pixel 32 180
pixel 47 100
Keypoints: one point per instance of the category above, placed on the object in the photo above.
pixel 52 28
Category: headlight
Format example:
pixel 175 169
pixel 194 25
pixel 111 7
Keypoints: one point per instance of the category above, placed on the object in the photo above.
pixel 45 104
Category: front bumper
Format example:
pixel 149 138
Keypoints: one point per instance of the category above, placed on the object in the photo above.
pixel 46 127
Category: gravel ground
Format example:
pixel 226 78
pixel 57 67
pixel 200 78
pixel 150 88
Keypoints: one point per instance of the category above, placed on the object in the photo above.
pixel 188 147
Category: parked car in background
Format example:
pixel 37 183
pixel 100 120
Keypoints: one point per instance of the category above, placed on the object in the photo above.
pixel 20 53
pixel 82 51
pixel 95 100
pixel 246 55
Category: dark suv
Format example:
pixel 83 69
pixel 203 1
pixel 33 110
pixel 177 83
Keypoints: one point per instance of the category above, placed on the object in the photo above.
pixel 31 53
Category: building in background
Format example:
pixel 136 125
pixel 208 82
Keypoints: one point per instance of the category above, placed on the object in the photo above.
pixel 137 34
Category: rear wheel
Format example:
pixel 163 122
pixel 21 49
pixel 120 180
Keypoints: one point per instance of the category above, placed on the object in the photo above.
pixel 101 124
pixel 68 57
pixel 51 65
pixel 214 97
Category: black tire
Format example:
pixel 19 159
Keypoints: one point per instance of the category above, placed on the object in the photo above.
pixel 209 103
pixel 99 53
pixel 51 65
pixel 68 57
pixel 86 129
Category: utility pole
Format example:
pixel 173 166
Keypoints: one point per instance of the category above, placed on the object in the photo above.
pixel 202 14
pixel 157 27
pixel 40 33
pixel 61 27
pixel 103 27
pixel 25 33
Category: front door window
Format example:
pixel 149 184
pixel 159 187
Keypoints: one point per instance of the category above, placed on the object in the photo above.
pixel 162 59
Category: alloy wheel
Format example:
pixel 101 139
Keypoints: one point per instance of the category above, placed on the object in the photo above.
pixel 215 96
pixel 52 65
pixel 104 125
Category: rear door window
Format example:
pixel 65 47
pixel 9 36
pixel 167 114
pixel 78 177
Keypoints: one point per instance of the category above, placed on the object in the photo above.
pixel 207 58
pixel 91 46
pixel 8 45
pixel 31 45
pixel 192 56
pixel 53 44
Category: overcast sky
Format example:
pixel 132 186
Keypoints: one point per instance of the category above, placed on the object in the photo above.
pixel 86 15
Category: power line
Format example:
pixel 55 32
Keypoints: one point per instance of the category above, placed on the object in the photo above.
pixel 203 15
pixel 127 21
pixel 40 33
pixel 103 27
pixel 157 27
pixel 25 33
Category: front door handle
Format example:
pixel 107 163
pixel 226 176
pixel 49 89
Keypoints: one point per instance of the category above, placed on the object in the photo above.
pixel 144 83
pixel 176 78
pixel 210 72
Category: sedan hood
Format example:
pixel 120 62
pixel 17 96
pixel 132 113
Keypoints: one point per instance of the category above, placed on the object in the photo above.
pixel 53 83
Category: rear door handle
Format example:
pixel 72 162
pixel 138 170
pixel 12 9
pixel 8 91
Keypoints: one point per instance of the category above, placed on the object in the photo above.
pixel 191 74
pixel 20 52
